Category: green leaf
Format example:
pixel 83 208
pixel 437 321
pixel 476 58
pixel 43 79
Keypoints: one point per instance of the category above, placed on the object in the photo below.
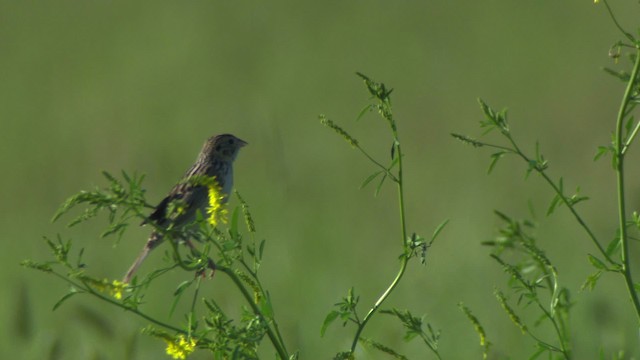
pixel 370 178
pixel 557 199
pixel 182 287
pixel 486 110
pixel 88 214
pixel 384 177
pixel 64 298
pixel 412 324
pixel 553 205
pixel 613 246
pixel 211 305
pixel 577 199
pixel 267 306
pixel 602 150
pixel 618 74
pixel 109 177
pixel 178 294
pixel 114 228
pixel 126 177
pixel 537 354
pixel 494 160
pixel 503 216
pixel 364 110
pixel 591 281
pixel 331 317
pixel 393 164
pixel 597 263
pixel 439 229
pixel 261 249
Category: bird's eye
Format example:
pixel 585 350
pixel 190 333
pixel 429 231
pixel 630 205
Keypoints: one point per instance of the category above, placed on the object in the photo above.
pixel 230 141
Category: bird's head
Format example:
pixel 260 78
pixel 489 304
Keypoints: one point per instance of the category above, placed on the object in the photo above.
pixel 225 146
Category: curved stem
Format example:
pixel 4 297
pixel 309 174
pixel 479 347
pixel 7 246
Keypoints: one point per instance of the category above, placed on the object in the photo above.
pixel 263 293
pixel 516 150
pixel 559 332
pixel 620 153
pixel 564 200
pixel 280 349
pixel 381 299
pixel 403 229
pixel 95 293
pixel 552 314
pixel 275 337
pixel 547 345
pixel 192 312
pixel 615 21
pixel 579 219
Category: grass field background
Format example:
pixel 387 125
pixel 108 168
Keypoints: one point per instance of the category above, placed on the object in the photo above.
pixel 91 86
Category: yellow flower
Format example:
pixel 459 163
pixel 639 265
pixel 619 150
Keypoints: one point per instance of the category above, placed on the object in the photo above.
pixel 180 348
pixel 216 212
pixel 116 289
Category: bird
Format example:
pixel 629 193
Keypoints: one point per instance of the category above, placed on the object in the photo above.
pixel 214 160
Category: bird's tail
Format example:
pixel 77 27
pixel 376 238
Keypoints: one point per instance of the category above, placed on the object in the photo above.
pixel 154 240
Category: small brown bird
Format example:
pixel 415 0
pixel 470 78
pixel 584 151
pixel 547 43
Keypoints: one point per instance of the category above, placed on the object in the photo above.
pixel 215 159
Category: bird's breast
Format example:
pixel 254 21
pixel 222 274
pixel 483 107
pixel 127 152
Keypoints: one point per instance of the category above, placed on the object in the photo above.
pixel 228 183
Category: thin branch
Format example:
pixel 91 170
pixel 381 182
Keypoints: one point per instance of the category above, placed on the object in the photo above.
pixel 615 21
pixel 626 265
pixel 384 168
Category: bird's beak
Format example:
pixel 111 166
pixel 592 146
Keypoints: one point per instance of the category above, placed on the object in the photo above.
pixel 243 143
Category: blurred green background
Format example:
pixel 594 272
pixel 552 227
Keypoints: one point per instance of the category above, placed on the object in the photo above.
pixel 87 86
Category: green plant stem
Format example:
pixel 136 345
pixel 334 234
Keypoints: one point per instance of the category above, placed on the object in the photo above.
pixel 405 257
pixel 557 321
pixel 615 21
pixel 279 346
pixel 558 330
pixel 626 266
pixel 384 169
pixel 577 216
pixel 516 150
pixel 630 138
pixel 192 312
pixel 275 337
pixel 547 345
pixel 403 221
pixel 381 299
pixel 91 291
pixel 431 346
pixel 264 294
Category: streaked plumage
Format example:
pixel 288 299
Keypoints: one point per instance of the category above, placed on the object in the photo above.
pixel 215 159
